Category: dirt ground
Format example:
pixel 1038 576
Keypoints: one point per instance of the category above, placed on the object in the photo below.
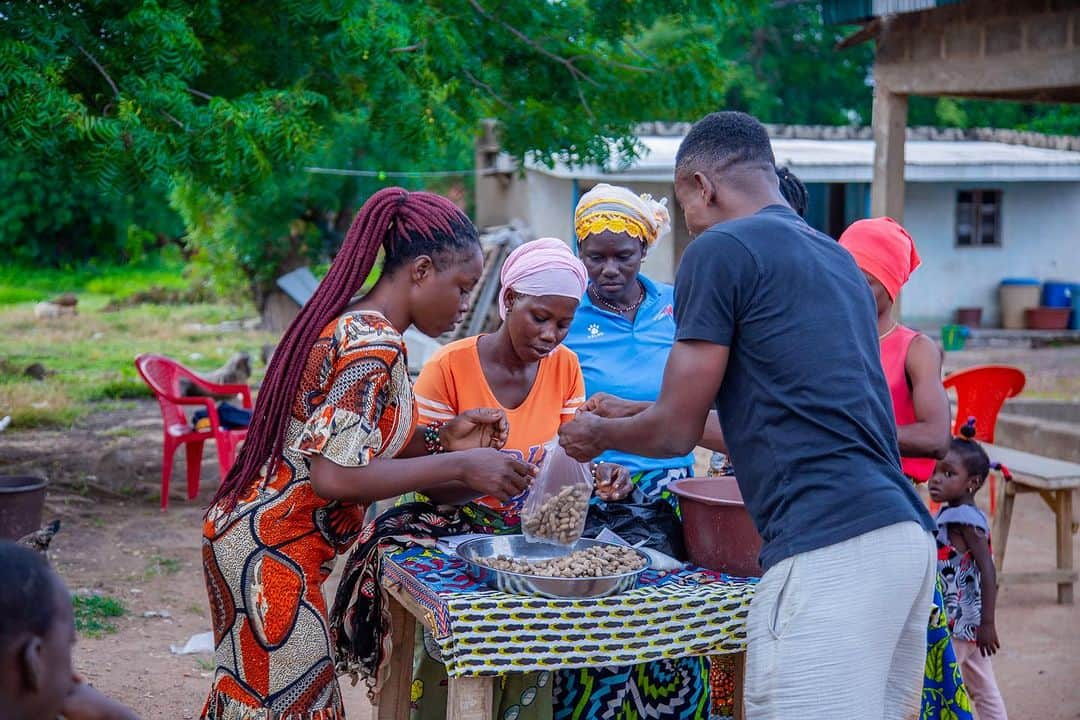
pixel 115 541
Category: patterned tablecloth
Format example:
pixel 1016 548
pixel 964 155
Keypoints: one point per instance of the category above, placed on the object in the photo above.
pixel 484 632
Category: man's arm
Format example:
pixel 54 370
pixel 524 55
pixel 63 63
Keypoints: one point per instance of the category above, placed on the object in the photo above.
pixel 928 436
pixel 609 406
pixel 713 437
pixel 672 425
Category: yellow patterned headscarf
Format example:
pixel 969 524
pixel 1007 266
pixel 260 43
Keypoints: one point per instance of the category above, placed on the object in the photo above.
pixel 620 210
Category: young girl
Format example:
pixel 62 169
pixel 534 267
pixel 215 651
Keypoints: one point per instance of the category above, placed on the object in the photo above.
pixel 332 431
pixel 966 568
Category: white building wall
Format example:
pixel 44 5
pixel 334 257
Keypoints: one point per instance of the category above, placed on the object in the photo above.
pixel 545 203
pixel 1040 238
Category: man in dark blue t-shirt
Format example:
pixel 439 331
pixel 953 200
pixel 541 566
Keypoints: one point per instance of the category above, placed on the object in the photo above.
pixel 776 328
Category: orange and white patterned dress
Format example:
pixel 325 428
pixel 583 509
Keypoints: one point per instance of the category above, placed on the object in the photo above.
pixel 266 561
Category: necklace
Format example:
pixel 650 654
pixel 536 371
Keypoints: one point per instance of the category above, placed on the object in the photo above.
pixel 888 332
pixel 620 309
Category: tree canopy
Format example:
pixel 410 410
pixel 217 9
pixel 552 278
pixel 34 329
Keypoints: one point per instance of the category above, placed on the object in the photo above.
pixel 125 124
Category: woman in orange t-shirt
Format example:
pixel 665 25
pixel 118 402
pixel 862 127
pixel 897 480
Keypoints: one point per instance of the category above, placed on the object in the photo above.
pixel 524 369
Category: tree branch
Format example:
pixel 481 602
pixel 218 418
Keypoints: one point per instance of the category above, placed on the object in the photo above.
pixel 622 65
pixel 199 93
pixel 487 88
pixel 179 124
pixel 584 102
pixel 568 64
pixel 409 48
pixel 91 58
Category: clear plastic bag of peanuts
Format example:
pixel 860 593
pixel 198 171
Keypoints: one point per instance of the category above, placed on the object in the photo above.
pixel 554 511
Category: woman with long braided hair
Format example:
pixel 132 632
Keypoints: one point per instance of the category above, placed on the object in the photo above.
pixel 332 431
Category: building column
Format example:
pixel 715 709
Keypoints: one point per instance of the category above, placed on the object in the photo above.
pixel 490 193
pixel 890 131
pixel 890 126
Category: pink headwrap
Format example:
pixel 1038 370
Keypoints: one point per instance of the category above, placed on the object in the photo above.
pixel 542 267
pixel 884 249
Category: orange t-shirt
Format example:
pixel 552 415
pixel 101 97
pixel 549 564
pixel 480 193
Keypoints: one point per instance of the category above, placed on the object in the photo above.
pixel 453 381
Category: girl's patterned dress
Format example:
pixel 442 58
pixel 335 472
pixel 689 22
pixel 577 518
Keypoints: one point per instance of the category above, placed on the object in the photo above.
pixel 266 560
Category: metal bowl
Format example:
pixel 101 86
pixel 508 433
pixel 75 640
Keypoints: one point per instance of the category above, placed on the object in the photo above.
pixel 473 552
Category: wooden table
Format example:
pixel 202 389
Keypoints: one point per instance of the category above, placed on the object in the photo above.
pixel 469 697
pixel 1054 481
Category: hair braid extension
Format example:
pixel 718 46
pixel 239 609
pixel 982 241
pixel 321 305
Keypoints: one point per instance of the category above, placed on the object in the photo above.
pixel 405 225
pixel 793 190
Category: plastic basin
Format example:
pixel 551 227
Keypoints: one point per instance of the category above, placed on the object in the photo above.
pixel 969 316
pixel 22 498
pixel 718 530
pixel 1047 318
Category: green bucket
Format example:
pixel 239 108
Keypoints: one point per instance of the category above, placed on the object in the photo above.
pixel 953 337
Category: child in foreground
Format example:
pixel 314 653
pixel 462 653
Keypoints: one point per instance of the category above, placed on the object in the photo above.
pixel 966 568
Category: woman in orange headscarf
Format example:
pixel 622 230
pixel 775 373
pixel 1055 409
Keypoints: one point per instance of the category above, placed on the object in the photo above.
pixel 886 254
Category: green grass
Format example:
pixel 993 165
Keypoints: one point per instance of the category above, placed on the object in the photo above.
pixel 158 565
pixel 93 353
pixel 93 614
pixel 95 284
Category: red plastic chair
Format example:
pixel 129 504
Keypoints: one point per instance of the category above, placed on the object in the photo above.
pixel 981 391
pixel 163 376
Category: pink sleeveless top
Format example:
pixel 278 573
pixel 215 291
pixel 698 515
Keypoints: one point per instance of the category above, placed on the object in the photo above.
pixel 894 350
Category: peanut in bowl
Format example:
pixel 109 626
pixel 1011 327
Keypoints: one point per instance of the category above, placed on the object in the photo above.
pixel 588 568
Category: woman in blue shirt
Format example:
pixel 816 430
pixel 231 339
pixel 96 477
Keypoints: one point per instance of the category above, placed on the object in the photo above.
pixel 625 326
pixel 622 333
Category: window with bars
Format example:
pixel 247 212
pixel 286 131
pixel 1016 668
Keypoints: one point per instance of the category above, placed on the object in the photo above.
pixel 978 218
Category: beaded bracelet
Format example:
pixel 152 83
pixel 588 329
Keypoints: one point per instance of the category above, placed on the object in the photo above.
pixel 432 440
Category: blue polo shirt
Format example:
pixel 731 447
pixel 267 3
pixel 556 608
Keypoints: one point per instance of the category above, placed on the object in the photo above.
pixel 626 358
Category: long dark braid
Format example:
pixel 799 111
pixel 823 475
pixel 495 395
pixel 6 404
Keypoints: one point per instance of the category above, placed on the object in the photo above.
pixel 793 190
pixel 406 225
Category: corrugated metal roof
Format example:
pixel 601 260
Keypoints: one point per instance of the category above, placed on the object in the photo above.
pixel 852 161
pixel 850 11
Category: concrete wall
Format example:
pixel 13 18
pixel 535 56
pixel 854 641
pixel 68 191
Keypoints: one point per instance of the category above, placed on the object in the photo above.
pixel 544 202
pixel 1040 239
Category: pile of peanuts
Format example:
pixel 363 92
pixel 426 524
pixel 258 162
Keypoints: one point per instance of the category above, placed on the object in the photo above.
pixel 560 518
pixel 595 561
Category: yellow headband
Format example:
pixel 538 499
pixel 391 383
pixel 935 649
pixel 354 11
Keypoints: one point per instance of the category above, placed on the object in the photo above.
pixel 610 208
pixel 612 221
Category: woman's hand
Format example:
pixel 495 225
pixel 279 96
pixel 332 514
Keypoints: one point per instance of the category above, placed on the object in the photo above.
pixel 491 472
pixel 479 428
pixel 612 482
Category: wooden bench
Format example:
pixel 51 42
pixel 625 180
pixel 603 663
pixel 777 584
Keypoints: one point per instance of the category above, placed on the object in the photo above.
pixel 1054 481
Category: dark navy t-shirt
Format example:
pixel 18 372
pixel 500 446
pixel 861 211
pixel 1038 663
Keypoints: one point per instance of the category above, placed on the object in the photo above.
pixel 804 406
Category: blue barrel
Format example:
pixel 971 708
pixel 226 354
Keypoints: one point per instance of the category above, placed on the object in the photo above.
pixel 1074 321
pixel 1057 294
